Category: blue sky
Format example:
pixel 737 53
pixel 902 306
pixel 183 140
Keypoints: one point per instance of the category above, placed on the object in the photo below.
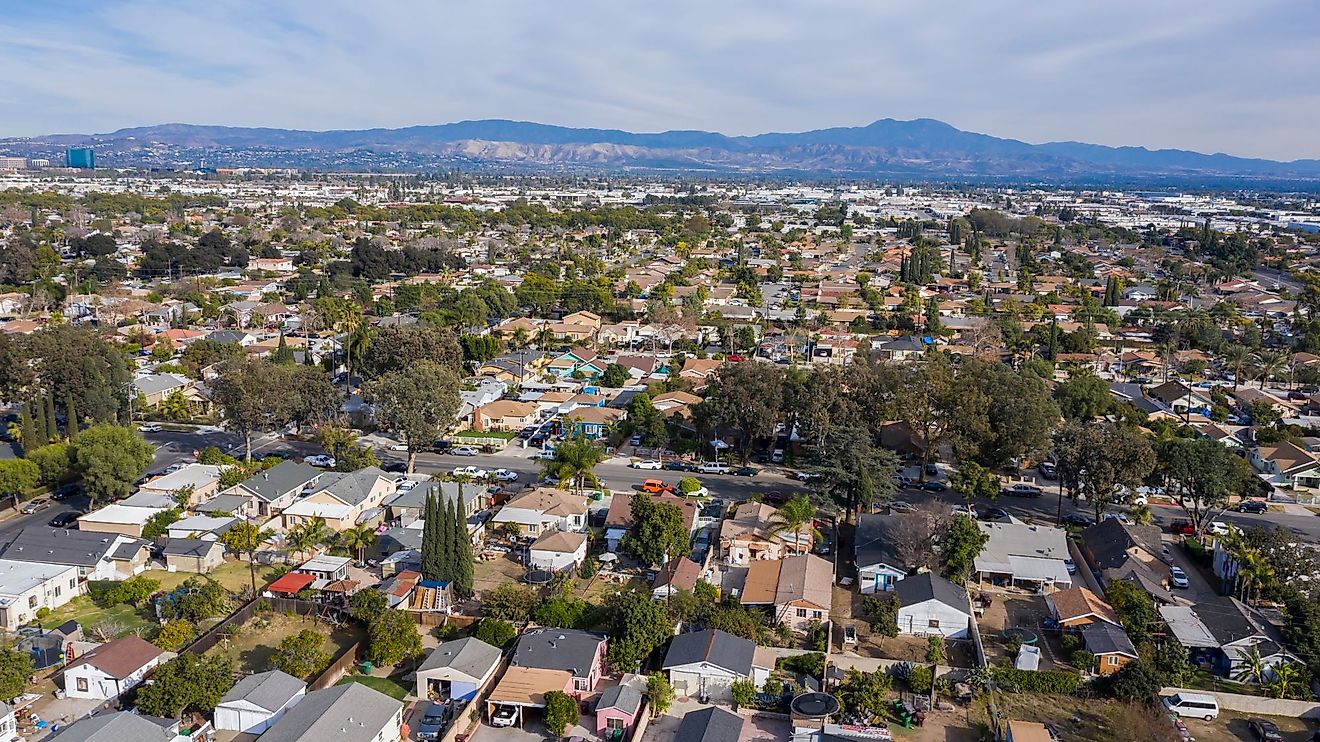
pixel 1212 75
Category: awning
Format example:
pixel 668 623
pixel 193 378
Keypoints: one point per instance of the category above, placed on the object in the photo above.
pixel 1034 569
pixel 527 686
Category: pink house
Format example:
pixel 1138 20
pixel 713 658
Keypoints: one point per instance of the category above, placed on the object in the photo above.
pixel 617 709
pixel 547 659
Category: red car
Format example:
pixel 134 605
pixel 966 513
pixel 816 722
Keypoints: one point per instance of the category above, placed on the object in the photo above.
pixel 1182 528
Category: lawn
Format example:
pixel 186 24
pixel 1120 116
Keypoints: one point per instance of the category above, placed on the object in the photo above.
pixel 388 686
pixel 256 641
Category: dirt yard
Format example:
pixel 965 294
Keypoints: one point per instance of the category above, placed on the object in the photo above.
pixel 490 574
pixel 257 640
pixel 1008 610
pixel 959 652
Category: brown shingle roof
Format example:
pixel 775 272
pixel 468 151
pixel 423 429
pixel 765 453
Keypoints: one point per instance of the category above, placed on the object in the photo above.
pixel 121 657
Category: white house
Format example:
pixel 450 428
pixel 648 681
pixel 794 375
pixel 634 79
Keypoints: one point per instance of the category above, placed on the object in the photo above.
pixel 1024 555
pixel 97 556
pixel 543 509
pixel 8 724
pixel 706 663
pixel 27 587
pixel 258 701
pixel 112 668
pixel 875 550
pixel 930 605
pixel 556 550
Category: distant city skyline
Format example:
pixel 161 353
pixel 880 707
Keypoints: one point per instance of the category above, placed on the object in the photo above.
pixel 1212 77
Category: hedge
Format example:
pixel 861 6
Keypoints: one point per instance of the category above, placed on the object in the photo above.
pixel 1045 681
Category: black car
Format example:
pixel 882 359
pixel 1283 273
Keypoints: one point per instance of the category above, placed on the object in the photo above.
pixel 934 485
pixel 932 470
pixel 1252 506
pixel 395 467
pixel 1265 731
pixel 745 471
pixel 1076 519
pixel 65 491
pixel 441 446
pixel 992 513
pixel 677 465
pixel 64 520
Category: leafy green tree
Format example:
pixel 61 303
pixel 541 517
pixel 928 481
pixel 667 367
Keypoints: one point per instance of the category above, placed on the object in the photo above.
pixel 393 638
pixel 110 459
pixel 659 692
pixel 54 462
pixel 365 605
pixel 1136 682
pixel 204 598
pixel 15 669
pixel 495 632
pixel 79 363
pixel 1098 461
pixel 747 397
pixel 657 533
pixel 1084 397
pixel 1202 474
pixel 396 348
pixel 510 602
pixel 17 476
pixel 1135 609
pixel 174 634
pixel 301 655
pixel 246 538
pixel 419 402
pixel 866 692
pixel 193 682
pixel 561 712
pixel 561 612
pixel 254 395
pixel 999 414
pixel 158 525
pixel 743 693
pixel 615 376
pixel 960 547
pixel 358 539
pixel 433 537
pixel 638 624
pixel 883 612
pixel 851 468
pixel 973 481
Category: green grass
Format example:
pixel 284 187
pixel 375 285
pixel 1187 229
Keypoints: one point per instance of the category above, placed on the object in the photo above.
pixel 87 614
pixel 505 435
pixel 388 686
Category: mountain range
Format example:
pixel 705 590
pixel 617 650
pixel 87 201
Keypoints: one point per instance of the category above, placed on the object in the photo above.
pixel 920 148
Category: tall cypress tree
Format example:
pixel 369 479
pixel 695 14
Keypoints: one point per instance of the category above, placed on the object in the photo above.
pixel 52 422
pixel 446 527
pixel 28 430
pixel 38 425
pixel 462 552
pixel 72 413
pixel 431 542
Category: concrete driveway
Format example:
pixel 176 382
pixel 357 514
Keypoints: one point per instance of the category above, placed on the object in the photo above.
pixel 1198 588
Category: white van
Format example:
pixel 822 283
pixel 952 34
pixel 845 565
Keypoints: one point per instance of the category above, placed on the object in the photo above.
pixel 1195 705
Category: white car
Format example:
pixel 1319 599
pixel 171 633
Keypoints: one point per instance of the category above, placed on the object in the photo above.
pixel 714 467
pixel 406 485
pixel 465 451
pixel 545 455
pixel 1219 528
pixel 149 428
pixel 503 717
pixel 399 447
pixel 646 464
pixel 1178 577
pixel 1120 517
pixel 506 475
pixel 323 460
pixel 698 492
pixel 472 472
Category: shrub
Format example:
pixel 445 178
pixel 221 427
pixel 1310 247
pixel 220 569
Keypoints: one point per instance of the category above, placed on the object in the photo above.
pixel 495 632
pixel 743 693
pixel 511 602
pixel 688 485
pixel 811 663
pixel 935 650
pixel 134 591
pixel 1071 643
pixel 660 692
pixel 301 655
pixel 173 635
pixel 1011 679
pixel 920 680
pixel 561 712
pixel 883 612
pixel 1082 660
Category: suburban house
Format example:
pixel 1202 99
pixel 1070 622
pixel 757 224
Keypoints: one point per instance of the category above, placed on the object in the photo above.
pixel 902 349
pixel 258 701
pixel 277 488
pixel 543 509
pixel 506 414
pixel 703 664
pixel 121 726
pixel 795 589
pixel 1286 465
pixel 549 659
pixel 1110 645
pixel 931 605
pixel 154 388
pixel 343 499
pixel 591 423
pixel 410 505
pixel 112 668
pixel 748 536
pixel 96 555
pixel 875 550
pixel 201 527
pixel 457 669
pixel 616 711
pixel 1078 607
pixel 192 555
pixel 1220 632
pixel 1117 551
pixel 553 551
pixel 326 567
pixel 1022 555
pixel 28 587
pixel 345 713
pixel 8 724
pixel 202 480
pixel 619 517
pixel 1179 398
pixel 125 520
pixel 680 574
pixel 711 724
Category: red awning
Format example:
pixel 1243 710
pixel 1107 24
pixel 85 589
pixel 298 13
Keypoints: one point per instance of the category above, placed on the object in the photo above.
pixel 291 583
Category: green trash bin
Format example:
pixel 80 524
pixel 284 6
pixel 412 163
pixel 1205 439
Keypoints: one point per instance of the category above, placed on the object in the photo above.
pixel 366 667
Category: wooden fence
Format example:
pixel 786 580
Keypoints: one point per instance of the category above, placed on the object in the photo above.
pixel 340 666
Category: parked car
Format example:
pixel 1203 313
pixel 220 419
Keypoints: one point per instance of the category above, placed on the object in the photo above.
pixel 472 472
pixel 1182 527
pixel 1048 470
pixel 394 467
pixel 149 428
pixel 901 481
pixel 65 491
pixel 714 467
pixel 636 440
pixel 656 486
pixel 432 724
pixel 1219 528
pixel 679 465
pixel 64 520
pixel 506 475
pixel 993 514
pixel 745 471
pixel 1120 517
pixel 646 464
pixel 1077 519
pixel 503 716
pixel 399 447
pixel 465 451
pixel 849 634
pixel 1070 565
pixel 527 432
pixel 901 506
pixel 1178 578
pixel 1265 731
pixel 546 454
pixel 934 485
pixel 1252 506
pixel 1022 490
pixel 37 505
pixel 406 485
pixel 777 456
pixel 322 460
pixel 932 470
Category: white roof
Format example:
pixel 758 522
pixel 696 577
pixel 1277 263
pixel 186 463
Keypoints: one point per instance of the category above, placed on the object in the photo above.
pixel 1028 658
pixel 304 508
pixel 1025 551
pixel 201 523
pixel 121 514
pixel 17 578
pixel 324 563
pixel 192 475
pixel 1187 627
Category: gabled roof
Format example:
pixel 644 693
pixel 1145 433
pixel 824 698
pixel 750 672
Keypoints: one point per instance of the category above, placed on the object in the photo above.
pixel 1109 541
pixel 876 539
pixel 1106 638
pixel 469 656
pixel 712 724
pixel 564 542
pixel 120 726
pixel 284 477
pixel 265 690
pixel 557 649
pixel 1079 602
pixel 625 698
pixel 803 577
pixel 726 651
pixel 324 715
pixel 192 547
pixel 351 487
pixel 1227 620
pixel 930 586
pixel 121 657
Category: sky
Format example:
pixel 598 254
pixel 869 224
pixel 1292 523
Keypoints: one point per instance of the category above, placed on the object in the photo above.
pixel 1236 76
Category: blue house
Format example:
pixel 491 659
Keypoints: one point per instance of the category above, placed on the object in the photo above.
pixel 457 669
pixel 591 423
pixel 879 566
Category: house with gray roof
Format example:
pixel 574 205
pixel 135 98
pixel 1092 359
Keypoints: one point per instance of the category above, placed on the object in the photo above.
pixel 409 505
pixel 98 556
pixel 580 653
pixel 119 727
pixel 929 605
pixel 457 669
pixel 876 553
pixel 706 663
pixel 257 701
pixel 275 489
pixel 343 499
pixel 343 713
pixel 193 555
pixel 1110 645
pixel 712 724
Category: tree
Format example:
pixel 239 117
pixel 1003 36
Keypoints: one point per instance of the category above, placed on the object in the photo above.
pixel 746 397
pixel 495 632
pixel 657 533
pixel 575 463
pixel 973 481
pixel 28 431
pixel 17 476
pixel 999 414
pixel 561 712
pixel 73 362
pixel 54 462
pixel 1084 396
pixel 1136 682
pixel 961 545
pixel 1202 474
pixel 158 524
pixel 743 693
pixel 398 347
pixel 393 638
pixel 301 655
pixel 188 682
pixel 52 424
pixel 638 624
pixel 1135 609
pixel 1100 460
pixel 659 692
pixel 510 602
pixel 1287 680
pixel 358 539
pixel 111 458
pixel 793 517
pixel 174 634
pixel 849 467
pixel 419 402
pixel 366 605
pixel 866 692
pixel 921 400
pixel 254 395
pixel 309 534
pixel 15 669
pixel 615 376
pixel 246 538
pixel 433 536
pixel 463 570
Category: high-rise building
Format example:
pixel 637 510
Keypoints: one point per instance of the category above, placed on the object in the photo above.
pixel 80 157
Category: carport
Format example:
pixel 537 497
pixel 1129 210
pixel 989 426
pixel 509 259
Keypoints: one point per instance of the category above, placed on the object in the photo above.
pixel 525 687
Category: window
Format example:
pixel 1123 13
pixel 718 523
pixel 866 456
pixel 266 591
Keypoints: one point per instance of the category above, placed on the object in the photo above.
pixel 613 722
pixel 579 683
pixel 802 613
pixel 1113 661
pixel 818 614
pixel 73 583
pixel 57 591
pixel 934 623
pixel 32 601
pixel 82 685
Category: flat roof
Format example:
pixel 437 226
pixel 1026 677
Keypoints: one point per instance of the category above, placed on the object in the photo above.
pixel 527 686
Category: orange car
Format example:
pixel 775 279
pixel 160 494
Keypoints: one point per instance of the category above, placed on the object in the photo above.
pixel 655 486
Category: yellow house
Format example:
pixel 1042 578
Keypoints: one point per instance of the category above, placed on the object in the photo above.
pixel 343 499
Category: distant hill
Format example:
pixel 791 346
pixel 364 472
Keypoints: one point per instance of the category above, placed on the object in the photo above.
pixel 921 147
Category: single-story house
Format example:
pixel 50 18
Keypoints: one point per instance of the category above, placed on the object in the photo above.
pixel 542 509
pixel 28 587
pixel 618 519
pixel 931 605
pixel 682 574
pixel 1115 549
pixel 122 726
pixel 1078 606
pixel 711 724
pixel 203 480
pixel 258 701
pixel 125 520
pixel 1110 645
pixel 96 556
pixel 201 527
pixel 343 499
pixel 278 487
pixel 749 536
pixel 553 551
pixel 616 710
pixel 105 672
pixel 704 664
pixel 193 555
pixel 1023 555
pixel 796 589
pixel 345 713
pixel 457 669
pixel 876 553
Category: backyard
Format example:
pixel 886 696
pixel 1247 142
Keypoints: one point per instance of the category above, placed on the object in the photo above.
pixel 389 686
pixel 254 643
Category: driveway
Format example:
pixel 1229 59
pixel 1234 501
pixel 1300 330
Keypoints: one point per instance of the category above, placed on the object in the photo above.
pixel 1198 588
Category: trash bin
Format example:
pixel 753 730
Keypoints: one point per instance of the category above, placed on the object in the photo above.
pixel 366 667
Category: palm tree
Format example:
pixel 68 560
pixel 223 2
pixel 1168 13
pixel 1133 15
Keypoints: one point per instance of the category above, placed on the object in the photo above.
pixel 245 538
pixel 1285 680
pixel 1269 363
pixel 1253 667
pixel 1142 514
pixel 308 534
pixel 1237 358
pixel 575 463
pixel 358 539
pixel 795 516
pixel 1255 570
